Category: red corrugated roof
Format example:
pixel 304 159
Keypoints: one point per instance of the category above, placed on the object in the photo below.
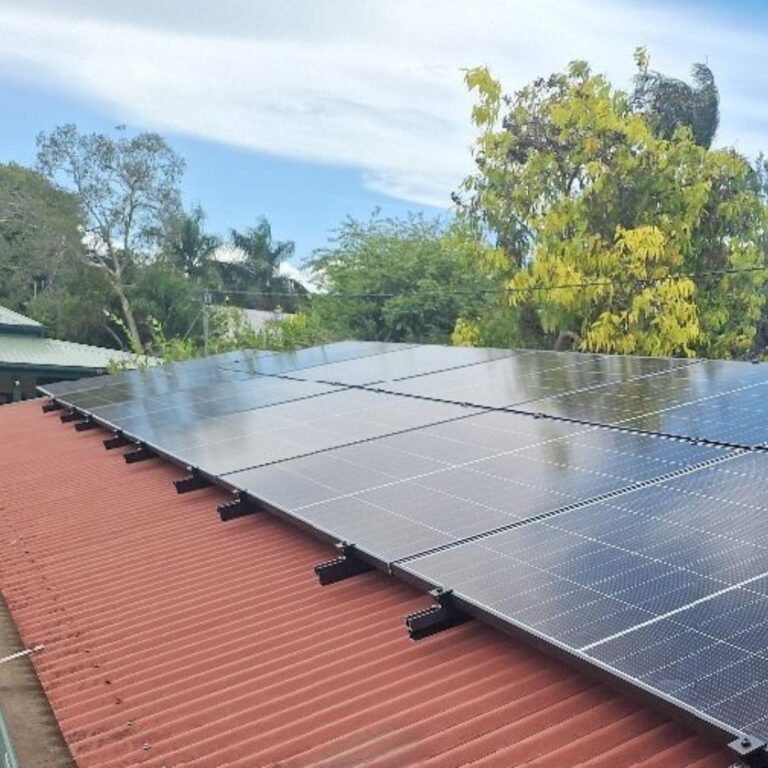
pixel 173 639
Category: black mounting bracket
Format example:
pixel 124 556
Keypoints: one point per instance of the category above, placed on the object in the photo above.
pixel 52 405
pixel 240 506
pixel 87 423
pixel 437 618
pixel 118 440
pixel 140 453
pixel 194 481
pixel 752 752
pixel 70 415
pixel 346 565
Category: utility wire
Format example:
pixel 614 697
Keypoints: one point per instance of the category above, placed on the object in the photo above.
pixel 635 281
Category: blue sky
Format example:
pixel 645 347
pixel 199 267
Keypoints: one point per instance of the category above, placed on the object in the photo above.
pixel 307 111
pixel 303 201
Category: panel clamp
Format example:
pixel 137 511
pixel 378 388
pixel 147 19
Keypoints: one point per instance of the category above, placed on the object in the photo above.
pixel 752 752
pixel 52 405
pixel 437 618
pixel 240 506
pixel 85 424
pixel 118 440
pixel 193 481
pixel 70 415
pixel 140 453
pixel 345 566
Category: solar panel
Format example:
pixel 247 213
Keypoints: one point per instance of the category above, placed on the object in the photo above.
pixel 310 357
pixel 168 415
pixel 401 495
pixel 400 364
pixel 247 439
pixel 666 585
pixel 712 400
pixel 228 366
pixel 530 376
pixel 155 379
pixel 643 554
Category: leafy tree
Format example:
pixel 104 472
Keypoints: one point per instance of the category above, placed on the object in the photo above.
pixel 128 190
pixel 168 297
pixel 258 271
pixel 581 192
pixel 40 233
pixel 399 280
pixel 669 103
pixel 42 270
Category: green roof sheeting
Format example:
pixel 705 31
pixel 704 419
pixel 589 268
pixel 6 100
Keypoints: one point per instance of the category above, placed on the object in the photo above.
pixel 15 321
pixel 37 352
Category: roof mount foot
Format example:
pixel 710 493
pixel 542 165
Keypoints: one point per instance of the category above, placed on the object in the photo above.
pixel 118 440
pixel 437 618
pixel 240 506
pixel 141 453
pixel 82 426
pixel 70 415
pixel 347 565
pixel 752 752
pixel 194 481
pixel 52 405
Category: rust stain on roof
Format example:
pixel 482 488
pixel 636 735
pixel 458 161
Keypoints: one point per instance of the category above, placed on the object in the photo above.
pixel 173 639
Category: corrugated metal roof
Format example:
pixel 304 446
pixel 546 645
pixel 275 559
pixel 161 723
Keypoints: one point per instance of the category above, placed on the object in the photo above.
pixel 39 352
pixel 173 639
pixel 16 320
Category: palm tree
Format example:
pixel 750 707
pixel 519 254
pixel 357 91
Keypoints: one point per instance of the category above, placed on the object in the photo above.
pixel 668 102
pixel 255 281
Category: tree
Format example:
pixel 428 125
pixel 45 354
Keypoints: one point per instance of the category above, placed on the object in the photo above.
pixel 40 232
pixel 255 270
pixel 187 247
pixel 399 280
pixel 581 192
pixel 669 103
pixel 128 190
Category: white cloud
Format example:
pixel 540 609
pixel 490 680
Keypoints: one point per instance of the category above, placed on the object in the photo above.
pixel 372 85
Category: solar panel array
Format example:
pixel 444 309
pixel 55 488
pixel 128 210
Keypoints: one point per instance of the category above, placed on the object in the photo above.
pixel 612 507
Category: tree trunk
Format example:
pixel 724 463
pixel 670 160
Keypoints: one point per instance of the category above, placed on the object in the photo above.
pixel 130 320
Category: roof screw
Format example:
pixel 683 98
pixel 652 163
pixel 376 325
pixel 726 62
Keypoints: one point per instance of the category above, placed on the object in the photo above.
pixel 146 745
pixel 746 743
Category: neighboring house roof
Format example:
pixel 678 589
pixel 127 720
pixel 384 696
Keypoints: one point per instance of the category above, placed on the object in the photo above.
pixel 13 321
pixel 173 639
pixel 24 345
pixel 37 352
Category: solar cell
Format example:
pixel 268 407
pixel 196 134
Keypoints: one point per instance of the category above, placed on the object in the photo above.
pixel 444 483
pixel 666 584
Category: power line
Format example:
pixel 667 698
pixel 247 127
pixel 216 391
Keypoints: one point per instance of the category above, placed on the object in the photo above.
pixel 635 282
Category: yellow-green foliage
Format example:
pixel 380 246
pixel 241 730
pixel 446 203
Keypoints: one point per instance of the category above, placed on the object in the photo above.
pixel 580 192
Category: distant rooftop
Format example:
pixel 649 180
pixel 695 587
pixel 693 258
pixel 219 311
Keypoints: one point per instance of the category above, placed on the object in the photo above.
pixel 14 321
pixel 24 345
pixel 36 352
